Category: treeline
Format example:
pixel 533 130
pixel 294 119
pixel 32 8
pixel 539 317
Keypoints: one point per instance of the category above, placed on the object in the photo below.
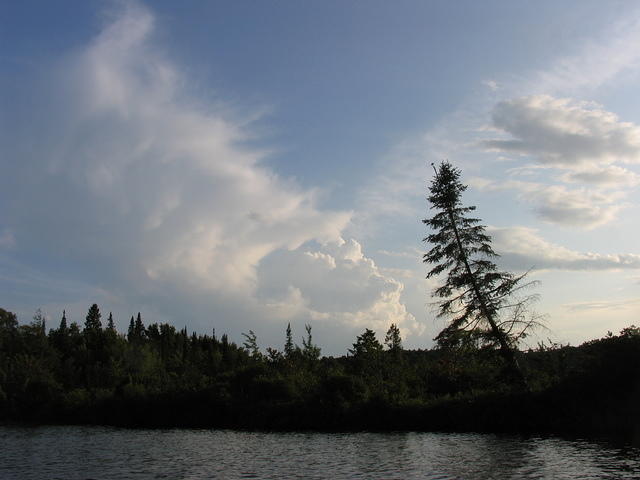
pixel 158 376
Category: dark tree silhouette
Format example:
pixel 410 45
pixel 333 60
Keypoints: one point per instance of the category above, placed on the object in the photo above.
pixel 392 340
pixel 366 344
pixel 310 351
pixel 92 322
pixel 171 378
pixel 288 345
pixel 139 330
pixel 131 332
pixel 63 323
pixel 474 291
pixel 251 344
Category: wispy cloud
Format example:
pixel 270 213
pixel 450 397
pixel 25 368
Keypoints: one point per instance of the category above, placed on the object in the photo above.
pixel 412 253
pixel 491 85
pixel 610 176
pixel 602 305
pixel 579 207
pixel 522 248
pixel 597 62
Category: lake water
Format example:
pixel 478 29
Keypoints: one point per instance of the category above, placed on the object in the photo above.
pixel 109 453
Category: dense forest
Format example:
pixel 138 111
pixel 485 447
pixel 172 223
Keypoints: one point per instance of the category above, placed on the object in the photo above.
pixel 158 376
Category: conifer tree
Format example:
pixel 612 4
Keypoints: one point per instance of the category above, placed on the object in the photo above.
pixel 251 344
pixel 392 340
pixel 288 346
pixel 110 325
pixel 140 331
pixel 60 336
pixel 474 291
pixel 92 322
pixel 310 351
pixel 366 344
pixel 63 323
pixel 131 332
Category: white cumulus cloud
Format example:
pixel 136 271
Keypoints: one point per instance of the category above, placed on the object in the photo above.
pixel 564 132
pixel 336 283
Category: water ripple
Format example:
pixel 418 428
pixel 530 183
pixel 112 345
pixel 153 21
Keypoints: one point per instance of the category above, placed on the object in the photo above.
pixel 99 453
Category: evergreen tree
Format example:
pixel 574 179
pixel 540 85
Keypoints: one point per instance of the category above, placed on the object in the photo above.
pixel 309 350
pixel 92 322
pixel 131 333
pixel 110 325
pixel 140 331
pixel 63 323
pixel 251 344
pixel 474 290
pixel 367 357
pixel 392 340
pixel 288 346
pixel 366 344
pixel 60 336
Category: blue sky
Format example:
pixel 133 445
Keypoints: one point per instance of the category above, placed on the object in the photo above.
pixel 242 165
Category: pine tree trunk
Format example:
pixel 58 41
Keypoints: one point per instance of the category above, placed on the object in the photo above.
pixel 505 349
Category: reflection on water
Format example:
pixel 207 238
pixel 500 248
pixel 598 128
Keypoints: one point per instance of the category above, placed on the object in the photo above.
pixel 108 453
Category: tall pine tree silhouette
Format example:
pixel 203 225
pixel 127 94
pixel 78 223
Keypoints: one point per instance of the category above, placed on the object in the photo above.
pixel 92 322
pixel 473 291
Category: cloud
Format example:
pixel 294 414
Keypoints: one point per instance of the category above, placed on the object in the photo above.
pixel 601 305
pixel 410 253
pixel 139 190
pixel 609 176
pixel 333 283
pixel 563 132
pixel 597 62
pixel 491 85
pixel 522 248
pixel 576 208
pixel 559 205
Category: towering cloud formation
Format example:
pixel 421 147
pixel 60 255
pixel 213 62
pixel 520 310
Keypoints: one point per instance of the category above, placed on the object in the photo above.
pixel 335 282
pixel 132 184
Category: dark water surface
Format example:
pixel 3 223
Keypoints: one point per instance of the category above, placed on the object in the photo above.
pixel 109 453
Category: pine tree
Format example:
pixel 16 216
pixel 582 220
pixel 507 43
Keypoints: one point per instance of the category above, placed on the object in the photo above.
pixel 310 351
pixel 110 325
pixel 140 331
pixel 392 340
pixel 131 332
pixel 288 346
pixel 367 345
pixel 92 322
pixel 251 344
pixel 474 291
pixel 63 323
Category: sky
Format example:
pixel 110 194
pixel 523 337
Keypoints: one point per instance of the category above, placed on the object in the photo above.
pixel 243 165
